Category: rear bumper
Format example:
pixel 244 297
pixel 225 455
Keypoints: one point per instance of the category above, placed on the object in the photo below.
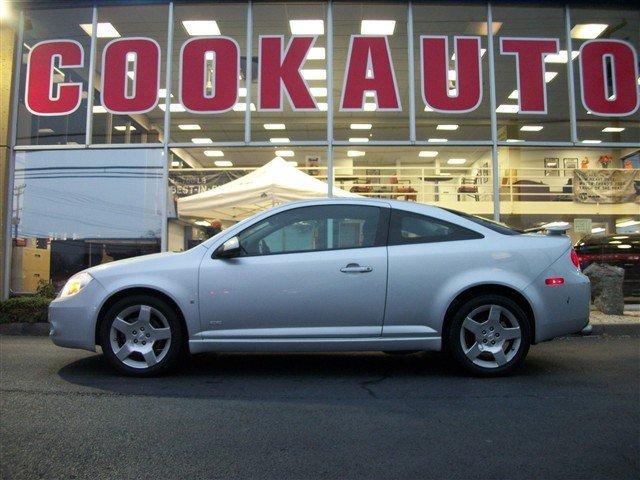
pixel 560 310
pixel 73 320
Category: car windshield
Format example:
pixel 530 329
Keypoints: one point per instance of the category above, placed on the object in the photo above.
pixel 485 222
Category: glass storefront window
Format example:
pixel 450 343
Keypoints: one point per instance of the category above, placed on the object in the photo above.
pixel 535 23
pixel 451 20
pixel 363 19
pixel 73 210
pixel 194 20
pixel 541 185
pixel 450 177
pixel 616 24
pixel 287 19
pixel 264 177
pixel 42 26
pixel 126 21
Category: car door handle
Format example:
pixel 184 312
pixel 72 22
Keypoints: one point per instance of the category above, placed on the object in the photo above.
pixel 355 268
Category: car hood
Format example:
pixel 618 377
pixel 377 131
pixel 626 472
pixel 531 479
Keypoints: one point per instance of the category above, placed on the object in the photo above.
pixel 144 263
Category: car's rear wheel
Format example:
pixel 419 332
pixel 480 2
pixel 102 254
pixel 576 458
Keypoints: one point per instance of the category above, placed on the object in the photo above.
pixel 141 336
pixel 490 335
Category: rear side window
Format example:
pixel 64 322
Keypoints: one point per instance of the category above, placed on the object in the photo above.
pixel 409 227
pixel 486 223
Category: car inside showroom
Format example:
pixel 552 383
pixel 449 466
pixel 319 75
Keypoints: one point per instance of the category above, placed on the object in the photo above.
pixel 113 155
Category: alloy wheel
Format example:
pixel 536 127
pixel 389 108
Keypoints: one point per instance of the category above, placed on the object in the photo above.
pixel 140 336
pixel 490 336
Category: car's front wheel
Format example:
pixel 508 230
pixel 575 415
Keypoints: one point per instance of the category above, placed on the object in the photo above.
pixel 489 335
pixel 141 336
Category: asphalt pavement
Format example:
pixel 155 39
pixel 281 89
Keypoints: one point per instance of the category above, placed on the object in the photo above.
pixel 573 411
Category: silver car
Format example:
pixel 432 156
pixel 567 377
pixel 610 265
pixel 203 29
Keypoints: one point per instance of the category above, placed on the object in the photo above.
pixel 333 275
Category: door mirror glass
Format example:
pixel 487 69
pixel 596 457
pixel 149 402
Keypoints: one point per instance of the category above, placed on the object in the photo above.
pixel 230 248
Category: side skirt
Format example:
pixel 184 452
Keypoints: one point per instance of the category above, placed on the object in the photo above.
pixel 313 344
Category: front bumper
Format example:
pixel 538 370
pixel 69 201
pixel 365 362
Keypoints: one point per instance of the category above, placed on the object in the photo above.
pixel 73 319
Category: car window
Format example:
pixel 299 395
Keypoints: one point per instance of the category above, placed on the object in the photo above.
pixel 485 222
pixel 408 227
pixel 322 227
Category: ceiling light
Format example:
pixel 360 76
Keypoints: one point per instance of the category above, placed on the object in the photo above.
pixel 597 230
pixel 322 106
pixel 98 109
pixel 241 107
pixel 285 153
pixel 592 141
pixel 201 140
pixel 514 140
pixel 202 223
pixel 123 128
pixel 622 237
pixel 306 27
pixel 274 126
pixel 613 129
pixel 223 163
pixel 318 91
pixel 189 126
pixel 175 163
pixel 355 153
pixel 531 128
pixel 279 140
pixel 624 246
pixel 360 126
pixel 447 127
pixel 162 93
pixel 437 140
pixel 428 153
pixel 560 57
pixel 174 107
pixel 513 95
pixel 242 92
pixel 377 27
pixel 317 53
pixel 627 223
pixel 314 73
pixel 504 108
pixel 548 76
pixel 213 153
pixel 456 161
pixel 201 28
pixel 587 31
pixel 358 140
pixel 105 30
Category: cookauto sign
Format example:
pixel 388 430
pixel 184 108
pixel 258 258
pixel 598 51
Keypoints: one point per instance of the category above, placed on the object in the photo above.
pixel 369 68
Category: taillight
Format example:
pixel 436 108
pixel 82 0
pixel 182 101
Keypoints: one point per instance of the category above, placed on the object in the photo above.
pixel 575 259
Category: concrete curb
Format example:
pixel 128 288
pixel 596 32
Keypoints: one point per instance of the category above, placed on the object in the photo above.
pixel 42 329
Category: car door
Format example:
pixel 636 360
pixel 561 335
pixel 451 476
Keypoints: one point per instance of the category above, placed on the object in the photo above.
pixel 314 271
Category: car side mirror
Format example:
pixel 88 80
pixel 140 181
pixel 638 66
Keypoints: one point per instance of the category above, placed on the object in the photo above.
pixel 229 249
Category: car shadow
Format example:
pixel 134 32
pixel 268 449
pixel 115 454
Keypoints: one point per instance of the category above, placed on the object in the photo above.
pixel 289 376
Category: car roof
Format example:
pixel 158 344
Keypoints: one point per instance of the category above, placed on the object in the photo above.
pixel 600 239
pixel 383 202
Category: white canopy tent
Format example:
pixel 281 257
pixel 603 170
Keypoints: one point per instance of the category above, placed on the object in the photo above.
pixel 274 183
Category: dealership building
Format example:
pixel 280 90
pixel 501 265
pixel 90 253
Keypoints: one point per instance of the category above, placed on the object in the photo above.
pixel 126 124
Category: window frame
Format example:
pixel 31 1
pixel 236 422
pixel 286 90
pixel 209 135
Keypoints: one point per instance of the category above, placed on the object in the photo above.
pixel 394 216
pixel 380 240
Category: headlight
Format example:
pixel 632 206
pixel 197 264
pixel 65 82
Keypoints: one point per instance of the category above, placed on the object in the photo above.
pixel 75 284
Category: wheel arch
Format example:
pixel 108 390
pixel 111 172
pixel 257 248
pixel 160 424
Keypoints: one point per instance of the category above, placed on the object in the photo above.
pixel 119 295
pixel 489 289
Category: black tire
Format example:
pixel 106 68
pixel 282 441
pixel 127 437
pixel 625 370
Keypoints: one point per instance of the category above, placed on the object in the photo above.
pixel 517 351
pixel 161 313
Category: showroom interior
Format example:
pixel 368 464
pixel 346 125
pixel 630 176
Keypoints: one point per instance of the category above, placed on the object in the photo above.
pixel 92 186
